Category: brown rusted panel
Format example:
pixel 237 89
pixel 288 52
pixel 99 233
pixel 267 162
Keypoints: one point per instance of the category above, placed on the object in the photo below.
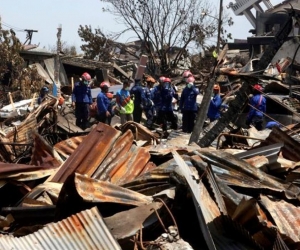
pixel 258 161
pixel 92 190
pixel 7 169
pixel 140 132
pixel 67 147
pixel 149 166
pixel 115 156
pixel 23 132
pixel 122 225
pixel 43 154
pixel 291 148
pixel 133 167
pixel 285 216
pixel 90 153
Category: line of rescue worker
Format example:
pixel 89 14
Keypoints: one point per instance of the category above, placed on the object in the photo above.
pixel 157 101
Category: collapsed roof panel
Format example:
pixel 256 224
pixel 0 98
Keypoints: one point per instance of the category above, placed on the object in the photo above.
pixel 85 230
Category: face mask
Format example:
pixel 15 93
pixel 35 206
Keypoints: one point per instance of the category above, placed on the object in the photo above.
pixel 127 88
pixel 166 85
pixel 190 85
pixel 86 82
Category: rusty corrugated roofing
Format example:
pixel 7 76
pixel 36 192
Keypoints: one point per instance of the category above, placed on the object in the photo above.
pixel 67 147
pixel 43 154
pixel 285 216
pixel 85 230
pixel 91 190
pixel 291 148
pixel 90 153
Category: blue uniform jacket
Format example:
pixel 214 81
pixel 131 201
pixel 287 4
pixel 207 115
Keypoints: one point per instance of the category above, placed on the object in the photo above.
pixel 156 96
pixel 254 101
pixel 102 103
pixel 139 95
pixel 82 93
pixel 167 95
pixel 214 107
pixel 188 99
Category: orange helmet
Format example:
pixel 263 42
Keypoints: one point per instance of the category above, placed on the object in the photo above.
pixel 216 87
pixel 61 101
pixel 103 84
pixel 109 95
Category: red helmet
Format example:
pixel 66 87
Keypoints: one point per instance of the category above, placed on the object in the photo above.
pixel 167 79
pixel 191 79
pixel 257 87
pixel 187 74
pixel 103 84
pixel 86 76
pixel 161 79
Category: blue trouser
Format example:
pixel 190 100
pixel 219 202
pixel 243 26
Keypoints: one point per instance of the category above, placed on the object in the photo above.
pixel 82 114
pixel 188 120
pixel 150 114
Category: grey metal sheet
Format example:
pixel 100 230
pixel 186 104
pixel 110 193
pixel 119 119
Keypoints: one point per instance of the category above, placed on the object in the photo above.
pixel 50 65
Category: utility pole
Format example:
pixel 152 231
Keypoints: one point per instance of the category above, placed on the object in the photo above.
pixel 29 36
pixel 219 26
pixel 57 64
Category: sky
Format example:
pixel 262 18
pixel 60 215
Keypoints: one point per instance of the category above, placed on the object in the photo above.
pixel 46 16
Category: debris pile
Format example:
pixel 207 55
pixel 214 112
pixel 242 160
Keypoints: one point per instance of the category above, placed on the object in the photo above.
pixel 122 188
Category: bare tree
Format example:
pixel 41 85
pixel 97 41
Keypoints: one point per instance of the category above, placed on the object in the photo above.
pixel 164 26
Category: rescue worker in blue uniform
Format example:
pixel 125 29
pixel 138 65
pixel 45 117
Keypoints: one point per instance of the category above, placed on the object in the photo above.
pixel 81 99
pixel 214 109
pixel 138 94
pixel 149 108
pixel 157 100
pixel 188 105
pixel 166 111
pixel 257 108
pixel 103 104
pixel 43 93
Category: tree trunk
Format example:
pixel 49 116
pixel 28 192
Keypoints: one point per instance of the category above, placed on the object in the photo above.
pixel 202 112
pixel 232 114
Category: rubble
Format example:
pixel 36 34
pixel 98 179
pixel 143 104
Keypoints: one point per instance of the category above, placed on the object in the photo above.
pixel 128 187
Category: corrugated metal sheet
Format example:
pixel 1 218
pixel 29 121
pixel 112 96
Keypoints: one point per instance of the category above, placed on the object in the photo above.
pixel 122 225
pixel 140 132
pixel 67 147
pixel 210 219
pixel 50 66
pixel 132 167
pixel 85 230
pixel 240 173
pixel 285 216
pixel 43 154
pixel 42 72
pixel 91 190
pixel 291 148
pixel 204 215
pixel 116 157
pixel 90 153
pixel 23 132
